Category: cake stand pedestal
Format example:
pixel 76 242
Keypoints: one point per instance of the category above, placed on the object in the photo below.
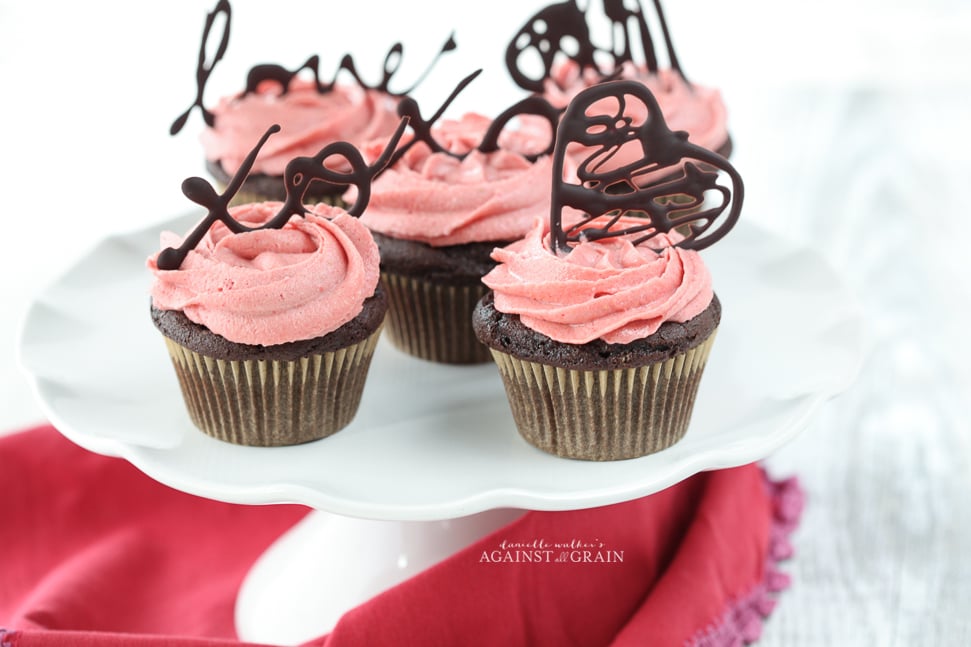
pixel 327 564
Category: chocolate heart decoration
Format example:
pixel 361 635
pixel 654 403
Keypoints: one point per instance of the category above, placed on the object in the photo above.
pixel 665 185
pixel 282 76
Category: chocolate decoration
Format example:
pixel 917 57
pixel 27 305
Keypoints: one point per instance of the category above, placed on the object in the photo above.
pixel 546 33
pixel 282 76
pixel 422 128
pixel 392 61
pixel 684 168
pixel 620 15
pixel 203 70
pixel 298 175
pixel 529 106
pixel 558 28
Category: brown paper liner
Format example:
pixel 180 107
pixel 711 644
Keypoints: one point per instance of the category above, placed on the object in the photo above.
pixel 603 415
pixel 434 321
pixel 270 403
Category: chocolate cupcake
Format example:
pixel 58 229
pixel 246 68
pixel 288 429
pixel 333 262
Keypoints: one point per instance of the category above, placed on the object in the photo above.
pixel 271 311
pixel 434 291
pixel 601 328
pixel 281 394
pixel 595 400
pixel 464 188
pixel 312 112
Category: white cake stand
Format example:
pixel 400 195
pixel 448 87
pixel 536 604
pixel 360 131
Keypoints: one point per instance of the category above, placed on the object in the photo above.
pixel 432 462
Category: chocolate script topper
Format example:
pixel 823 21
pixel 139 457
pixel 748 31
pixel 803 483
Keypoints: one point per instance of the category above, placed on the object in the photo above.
pixel 601 118
pixel 282 76
pixel 561 30
pixel 535 106
pixel 299 174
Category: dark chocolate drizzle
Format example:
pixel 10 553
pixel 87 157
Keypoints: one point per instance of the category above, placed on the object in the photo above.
pixel 283 77
pixel 559 28
pixel 204 67
pixel 422 128
pixel 392 61
pixel 686 170
pixel 299 174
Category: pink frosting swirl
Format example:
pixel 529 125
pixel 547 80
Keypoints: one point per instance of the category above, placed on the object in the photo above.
pixel 309 121
pixel 606 289
pixel 273 286
pixel 694 108
pixel 439 200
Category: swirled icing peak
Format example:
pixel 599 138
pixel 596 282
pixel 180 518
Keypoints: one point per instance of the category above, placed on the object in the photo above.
pixel 461 194
pixel 309 120
pixel 609 289
pixel 695 109
pixel 273 285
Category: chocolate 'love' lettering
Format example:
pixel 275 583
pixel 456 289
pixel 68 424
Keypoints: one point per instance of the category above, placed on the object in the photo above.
pixel 280 75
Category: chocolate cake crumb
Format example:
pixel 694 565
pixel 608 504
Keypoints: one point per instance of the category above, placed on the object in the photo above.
pixel 450 265
pixel 177 327
pixel 506 333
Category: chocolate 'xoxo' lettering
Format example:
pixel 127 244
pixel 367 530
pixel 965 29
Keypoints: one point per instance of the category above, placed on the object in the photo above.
pixel 299 174
pixel 536 106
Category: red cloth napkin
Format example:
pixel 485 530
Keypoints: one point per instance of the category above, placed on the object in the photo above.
pixel 93 552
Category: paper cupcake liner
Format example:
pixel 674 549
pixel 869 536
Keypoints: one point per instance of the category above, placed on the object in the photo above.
pixel 603 415
pixel 434 321
pixel 270 403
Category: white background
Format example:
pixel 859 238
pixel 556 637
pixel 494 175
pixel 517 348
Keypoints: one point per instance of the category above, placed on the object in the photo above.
pixel 90 90
pixel 852 126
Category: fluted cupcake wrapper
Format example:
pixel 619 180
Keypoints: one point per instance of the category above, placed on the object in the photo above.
pixel 606 414
pixel 270 403
pixel 434 321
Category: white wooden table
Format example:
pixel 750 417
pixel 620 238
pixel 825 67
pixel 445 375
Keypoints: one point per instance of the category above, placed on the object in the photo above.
pixel 883 550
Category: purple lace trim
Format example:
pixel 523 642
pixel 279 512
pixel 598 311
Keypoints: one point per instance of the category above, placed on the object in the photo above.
pixel 6 638
pixel 742 622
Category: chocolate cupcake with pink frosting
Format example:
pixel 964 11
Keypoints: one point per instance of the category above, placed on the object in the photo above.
pixel 601 326
pixel 271 311
pixel 563 27
pixel 312 112
pixel 462 188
